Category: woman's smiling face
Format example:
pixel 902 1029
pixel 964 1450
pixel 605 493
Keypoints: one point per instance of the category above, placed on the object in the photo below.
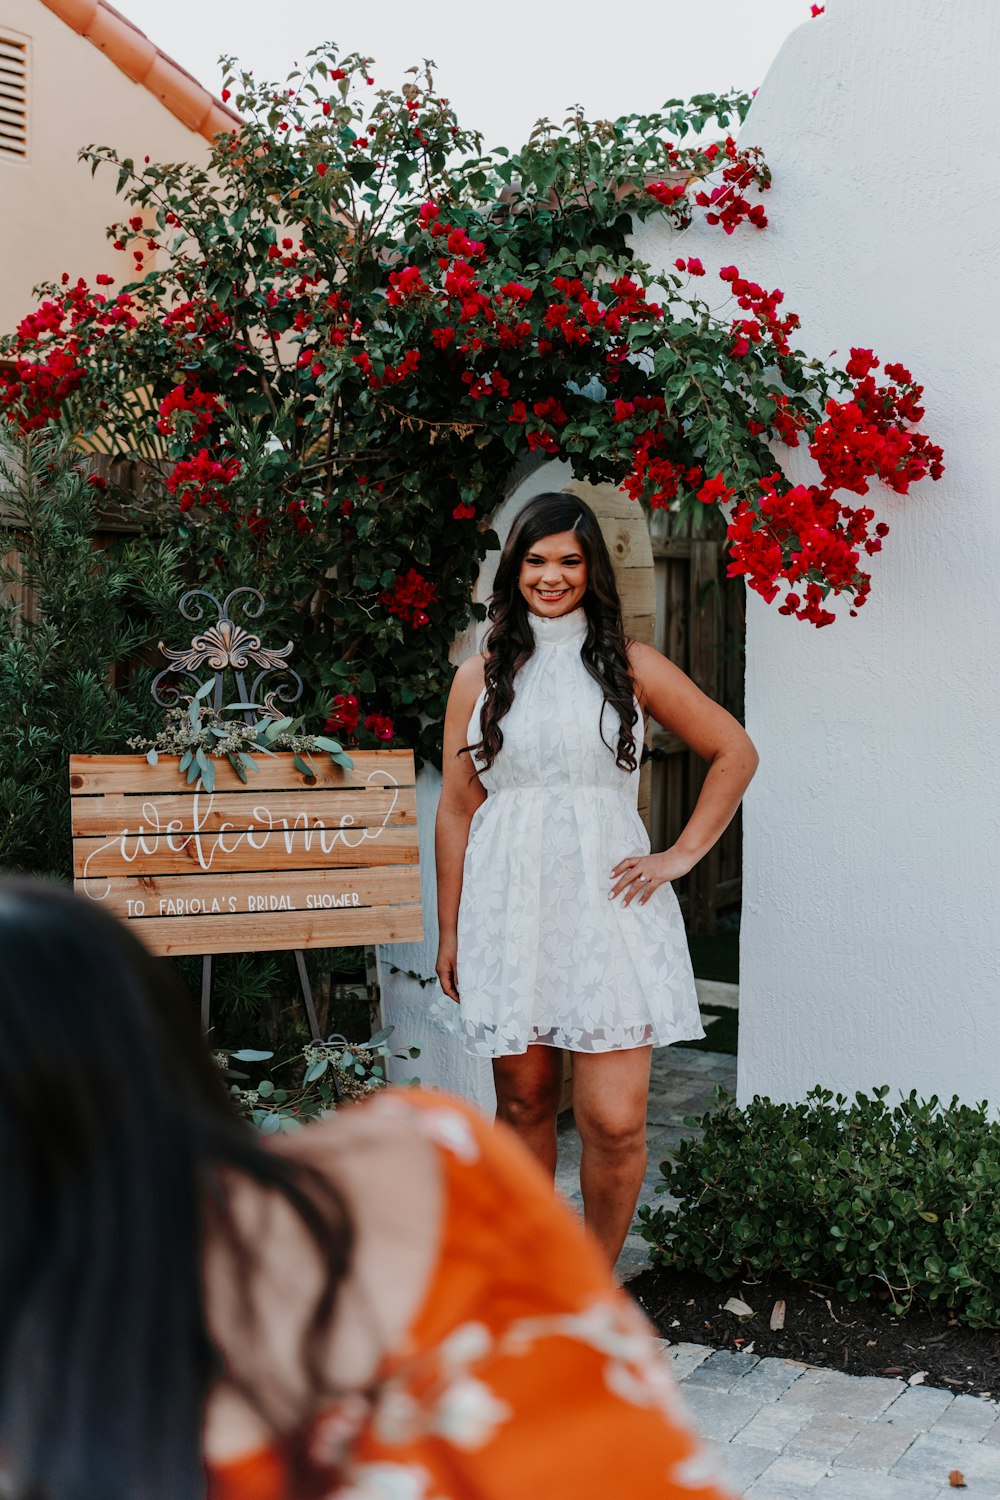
pixel 553 577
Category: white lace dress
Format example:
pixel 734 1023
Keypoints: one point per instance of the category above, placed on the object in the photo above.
pixel 543 954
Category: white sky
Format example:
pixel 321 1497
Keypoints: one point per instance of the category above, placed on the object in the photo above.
pixel 502 65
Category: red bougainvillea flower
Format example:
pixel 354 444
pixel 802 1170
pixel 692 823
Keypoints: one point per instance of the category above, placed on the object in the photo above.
pixel 296 509
pixel 861 363
pixel 202 479
pixel 550 410
pixel 463 512
pixel 204 405
pixel 404 285
pixel 410 597
pixel 715 491
pixel 344 714
pixel 666 193
pixel 867 436
pixel 380 725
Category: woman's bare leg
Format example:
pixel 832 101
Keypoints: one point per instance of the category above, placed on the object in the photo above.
pixel 528 1089
pixel 610 1092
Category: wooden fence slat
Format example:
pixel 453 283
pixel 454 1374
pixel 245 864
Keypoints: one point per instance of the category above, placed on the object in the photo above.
pixel 345 927
pixel 209 812
pixel 93 774
pixel 175 897
pixel 699 627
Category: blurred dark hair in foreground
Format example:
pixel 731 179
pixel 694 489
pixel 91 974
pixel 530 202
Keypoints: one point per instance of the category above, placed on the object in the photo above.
pixel 115 1126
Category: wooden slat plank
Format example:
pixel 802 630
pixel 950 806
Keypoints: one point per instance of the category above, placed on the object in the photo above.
pixel 175 898
pixel 346 927
pixel 642 628
pixel 92 774
pixel 278 850
pixel 636 591
pixel 187 811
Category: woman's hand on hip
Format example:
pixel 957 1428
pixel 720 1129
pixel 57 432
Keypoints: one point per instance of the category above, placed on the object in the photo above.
pixel 446 967
pixel 639 875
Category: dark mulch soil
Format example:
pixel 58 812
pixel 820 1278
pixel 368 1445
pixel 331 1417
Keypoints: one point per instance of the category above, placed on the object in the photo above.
pixel 821 1329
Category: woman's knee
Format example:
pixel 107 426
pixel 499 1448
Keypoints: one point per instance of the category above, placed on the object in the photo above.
pixel 527 1111
pixel 614 1130
pixel 528 1096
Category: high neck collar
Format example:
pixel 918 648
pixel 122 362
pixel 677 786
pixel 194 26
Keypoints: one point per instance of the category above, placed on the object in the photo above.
pixel 556 630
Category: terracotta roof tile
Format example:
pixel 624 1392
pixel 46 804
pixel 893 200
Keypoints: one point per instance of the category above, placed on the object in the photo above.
pixel 141 60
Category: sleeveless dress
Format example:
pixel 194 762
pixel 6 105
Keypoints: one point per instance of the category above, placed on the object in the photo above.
pixel 543 955
pixel 525 1371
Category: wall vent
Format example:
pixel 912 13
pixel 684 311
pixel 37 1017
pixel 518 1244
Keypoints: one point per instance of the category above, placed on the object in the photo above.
pixel 13 97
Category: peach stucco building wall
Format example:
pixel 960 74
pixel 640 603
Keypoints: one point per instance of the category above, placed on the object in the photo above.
pixel 53 214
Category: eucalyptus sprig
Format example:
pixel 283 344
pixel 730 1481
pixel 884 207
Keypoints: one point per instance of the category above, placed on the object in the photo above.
pixel 200 734
pixel 336 1071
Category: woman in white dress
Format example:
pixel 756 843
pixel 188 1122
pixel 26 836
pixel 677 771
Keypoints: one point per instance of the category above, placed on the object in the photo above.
pixel 558 928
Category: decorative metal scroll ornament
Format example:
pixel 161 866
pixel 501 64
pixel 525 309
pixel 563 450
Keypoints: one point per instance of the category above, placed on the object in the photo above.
pixel 227 646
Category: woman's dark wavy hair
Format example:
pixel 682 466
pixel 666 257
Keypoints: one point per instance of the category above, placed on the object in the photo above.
pixel 510 642
pixel 115 1133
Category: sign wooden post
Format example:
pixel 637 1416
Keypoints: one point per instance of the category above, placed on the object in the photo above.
pixel 298 854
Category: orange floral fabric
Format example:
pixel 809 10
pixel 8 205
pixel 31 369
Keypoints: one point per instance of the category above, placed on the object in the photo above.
pixel 526 1373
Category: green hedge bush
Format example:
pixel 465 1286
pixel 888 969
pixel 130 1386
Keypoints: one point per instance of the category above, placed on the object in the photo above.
pixel 863 1196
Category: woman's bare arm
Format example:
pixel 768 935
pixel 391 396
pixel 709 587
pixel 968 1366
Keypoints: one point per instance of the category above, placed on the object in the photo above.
pixel 678 704
pixel 461 793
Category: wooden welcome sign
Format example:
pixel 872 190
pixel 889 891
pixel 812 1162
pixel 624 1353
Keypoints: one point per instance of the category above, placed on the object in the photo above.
pixel 283 861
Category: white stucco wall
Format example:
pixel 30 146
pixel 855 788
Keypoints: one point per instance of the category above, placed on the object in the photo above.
pixel 870 948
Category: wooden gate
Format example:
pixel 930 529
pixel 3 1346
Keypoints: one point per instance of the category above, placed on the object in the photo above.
pixel 701 626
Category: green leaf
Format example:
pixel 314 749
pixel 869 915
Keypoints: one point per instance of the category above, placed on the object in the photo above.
pixel 265 1088
pixel 207 769
pixel 236 762
pixel 251 1054
pixel 276 727
pixel 205 689
pixel 152 757
pixel 316 1070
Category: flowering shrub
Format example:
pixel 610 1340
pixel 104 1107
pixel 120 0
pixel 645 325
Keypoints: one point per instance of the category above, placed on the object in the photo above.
pixel 356 321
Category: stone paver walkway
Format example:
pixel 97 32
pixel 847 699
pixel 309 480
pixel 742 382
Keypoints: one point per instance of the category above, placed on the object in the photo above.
pixel 781 1430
